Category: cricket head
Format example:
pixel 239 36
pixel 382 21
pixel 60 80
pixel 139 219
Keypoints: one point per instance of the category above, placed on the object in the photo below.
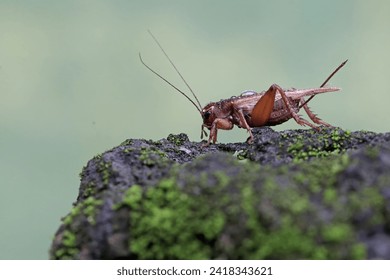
pixel 208 114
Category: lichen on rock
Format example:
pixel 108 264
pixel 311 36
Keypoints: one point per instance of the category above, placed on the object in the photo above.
pixel 295 194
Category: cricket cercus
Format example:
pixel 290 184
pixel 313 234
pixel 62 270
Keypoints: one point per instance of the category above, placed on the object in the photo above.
pixel 254 109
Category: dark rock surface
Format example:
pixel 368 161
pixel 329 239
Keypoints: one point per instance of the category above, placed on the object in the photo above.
pixel 296 194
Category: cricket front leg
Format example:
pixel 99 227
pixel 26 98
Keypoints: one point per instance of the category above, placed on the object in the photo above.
pixel 225 124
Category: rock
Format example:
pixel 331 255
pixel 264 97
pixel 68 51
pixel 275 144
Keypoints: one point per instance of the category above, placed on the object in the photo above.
pixel 295 194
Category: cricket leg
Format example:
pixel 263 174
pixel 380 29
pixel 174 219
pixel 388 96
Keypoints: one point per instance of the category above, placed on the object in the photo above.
pixel 218 124
pixel 313 116
pixel 202 131
pixel 297 118
pixel 243 123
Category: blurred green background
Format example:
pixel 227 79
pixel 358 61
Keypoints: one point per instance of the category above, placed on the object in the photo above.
pixel 72 86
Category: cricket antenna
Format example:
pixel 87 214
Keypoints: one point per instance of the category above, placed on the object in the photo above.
pixel 327 80
pixel 177 71
pixel 169 83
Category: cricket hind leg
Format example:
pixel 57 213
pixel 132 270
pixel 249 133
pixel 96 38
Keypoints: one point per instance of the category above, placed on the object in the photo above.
pixel 299 120
pixel 312 115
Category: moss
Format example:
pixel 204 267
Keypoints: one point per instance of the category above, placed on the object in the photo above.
pixel 87 208
pixel 128 150
pixel 325 144
pixel 69 249
pixel 359 252
pixel 178 139
pixel 290 236
pixel 222 207
pixel 367 200
pixel 98 157
pixel 81 174
pixel 169 222
pixel 222 178
pixel 74 212
pixel 337 232
pixel 90 209
pixel 287 241
pixel 162 219
pixel 329 196
pixel 152 156
pixel 296 146
pixel 127 142
pixel 166 223
pixel 372 152
pixel 131 198
pixel 105 170
pixel 69 239
pixel 89 189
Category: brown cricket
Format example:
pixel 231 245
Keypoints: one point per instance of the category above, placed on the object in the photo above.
pixel 253 109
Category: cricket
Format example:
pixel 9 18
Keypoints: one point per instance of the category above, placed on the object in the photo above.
pixel 253 109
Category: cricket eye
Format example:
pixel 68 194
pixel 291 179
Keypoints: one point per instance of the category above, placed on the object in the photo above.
pixel 206 115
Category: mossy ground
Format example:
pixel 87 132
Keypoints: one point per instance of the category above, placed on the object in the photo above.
pixel 168 222
pixel 85 211
pixel 294 196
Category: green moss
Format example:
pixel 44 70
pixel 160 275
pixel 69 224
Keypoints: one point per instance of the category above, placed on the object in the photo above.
pixel 89 189
pixel 128 150
pixel 98 157
pixel 166 223
pixel 222 178
pixel 329 196
pixel 296 146
pixel 90 209
pixel 291 205
pixel 178 140
pixel 372 152
pixel 152 156
pixel 81 174
pixel 105 170
pixel 74 212
pixel 87 208
pixel 127 142
pixel 69 249
pixel 359 252
pixel 337 233
pixel 131 198
pixel 271 209
pixel 287 241
pixel 69 239
pixel 324 145
pixel 369 199
pixel 163 218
